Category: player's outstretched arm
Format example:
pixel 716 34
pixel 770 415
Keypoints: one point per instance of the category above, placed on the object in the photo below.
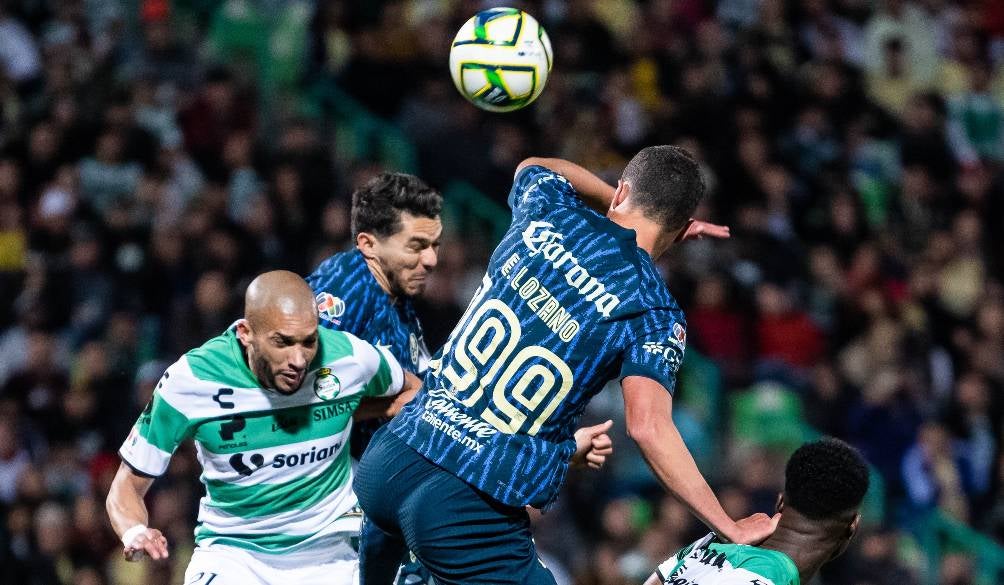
pixel 594 191
pixel 129 516
pixel 653 579
pixel 648 414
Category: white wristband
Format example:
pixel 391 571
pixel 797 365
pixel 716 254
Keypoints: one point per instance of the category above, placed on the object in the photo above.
pixel 129 536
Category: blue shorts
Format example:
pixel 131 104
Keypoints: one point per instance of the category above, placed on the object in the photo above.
pixel 460 534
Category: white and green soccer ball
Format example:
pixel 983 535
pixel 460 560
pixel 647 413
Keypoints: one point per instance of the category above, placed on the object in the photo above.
pixel 500 59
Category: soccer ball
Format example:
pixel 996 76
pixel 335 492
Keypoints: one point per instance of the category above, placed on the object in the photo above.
pixel 500 59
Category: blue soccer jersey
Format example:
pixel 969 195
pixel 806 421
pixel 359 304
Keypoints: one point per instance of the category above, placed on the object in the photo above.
pixel 350 299
pixel 569 302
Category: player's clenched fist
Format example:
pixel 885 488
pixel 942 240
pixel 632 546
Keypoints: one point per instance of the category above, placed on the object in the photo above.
pixel 141 541
pixel 593 445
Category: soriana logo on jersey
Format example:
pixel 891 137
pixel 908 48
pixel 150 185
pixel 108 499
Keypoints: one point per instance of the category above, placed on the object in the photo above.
pixel 326 385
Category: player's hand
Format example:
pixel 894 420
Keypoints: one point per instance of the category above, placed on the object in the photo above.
pixel 593 445
pixel 697 229
pixel 753 529
pixel 150 543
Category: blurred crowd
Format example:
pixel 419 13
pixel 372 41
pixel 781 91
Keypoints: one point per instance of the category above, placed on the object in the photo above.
pixel 855 147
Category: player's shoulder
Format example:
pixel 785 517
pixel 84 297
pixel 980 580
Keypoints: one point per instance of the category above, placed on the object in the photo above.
pixel 339 273
pixel 335 345
pixel 669 566
pixel 536 187
pixel 339 262
pixel 653 284
pixel 771 567
pixel 646 295
pixel 216 362
pixel 539 175
pixel 345 354
pixel 344 290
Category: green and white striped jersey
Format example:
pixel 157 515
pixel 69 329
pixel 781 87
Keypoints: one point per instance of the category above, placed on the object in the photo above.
pixel 710 562
pixel 276 468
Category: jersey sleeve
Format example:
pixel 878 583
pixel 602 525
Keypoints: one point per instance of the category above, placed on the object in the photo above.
pixel 664 570
pixel 535 187
pixel 337 309
pixel 383 374
pixel 655 352
pixel 161 427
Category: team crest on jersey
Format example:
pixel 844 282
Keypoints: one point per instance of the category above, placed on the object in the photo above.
pixel 326 385
pixel 414 349
pixel 330 307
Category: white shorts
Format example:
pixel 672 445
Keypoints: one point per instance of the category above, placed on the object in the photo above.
pixel 224 565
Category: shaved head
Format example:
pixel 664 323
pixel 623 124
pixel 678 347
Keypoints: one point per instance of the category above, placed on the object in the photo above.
pixel 278 294
pixel 279 330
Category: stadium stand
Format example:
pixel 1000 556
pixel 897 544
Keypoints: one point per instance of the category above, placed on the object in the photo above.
pixel 156 154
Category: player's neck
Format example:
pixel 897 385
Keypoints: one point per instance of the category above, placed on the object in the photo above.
pixel 808 548
pixel 649 235
pixel 380 276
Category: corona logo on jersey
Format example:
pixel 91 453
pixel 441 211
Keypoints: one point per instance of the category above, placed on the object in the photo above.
pixel 326 385
pixel 330 307
pixel 540 238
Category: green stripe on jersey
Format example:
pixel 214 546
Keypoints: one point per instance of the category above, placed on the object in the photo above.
pixel 273 428
pixel 162 425
pixel 249 501
pixel 380 382
pixel 724 559
pixel 332 345
pixel 221 360
pixel 266 543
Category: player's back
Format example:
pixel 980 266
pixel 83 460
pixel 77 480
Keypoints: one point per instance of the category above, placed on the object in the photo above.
pixel 569 302
pixel 710 562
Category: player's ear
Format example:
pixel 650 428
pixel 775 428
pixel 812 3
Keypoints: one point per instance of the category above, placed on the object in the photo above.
pixel 779 506
pixel 620 193
pixel 366 243
pixel 852 529
pixel 244 332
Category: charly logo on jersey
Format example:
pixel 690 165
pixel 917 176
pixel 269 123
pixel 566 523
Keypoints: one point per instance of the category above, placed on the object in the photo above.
pixel 330 307
pixel 326 384
pixel 540 238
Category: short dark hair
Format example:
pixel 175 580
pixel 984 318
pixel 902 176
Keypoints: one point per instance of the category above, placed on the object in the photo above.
pixel 666 183
pixel 377 205
pixel 825 479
